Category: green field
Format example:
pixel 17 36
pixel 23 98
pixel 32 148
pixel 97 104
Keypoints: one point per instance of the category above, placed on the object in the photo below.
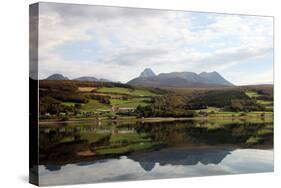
pixel 126 91
pixel 252 94
pixel 69 103
pixel 94 106
pixel 129 103
pixel 266 103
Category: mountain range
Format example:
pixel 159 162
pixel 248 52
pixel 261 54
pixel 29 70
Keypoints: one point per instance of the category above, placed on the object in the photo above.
pixel 83 78
pixel 179 79
pixel 148 78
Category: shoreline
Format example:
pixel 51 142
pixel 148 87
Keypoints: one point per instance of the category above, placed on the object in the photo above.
pixel 155 119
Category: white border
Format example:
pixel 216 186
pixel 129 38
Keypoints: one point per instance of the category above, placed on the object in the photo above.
pixel 14 90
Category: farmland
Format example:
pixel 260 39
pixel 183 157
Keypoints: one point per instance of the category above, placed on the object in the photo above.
pixel 126 91
pixel 74 100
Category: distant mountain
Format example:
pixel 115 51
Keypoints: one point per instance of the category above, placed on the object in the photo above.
pixel 83 78
pixel 91 79
pixel 104 80
pixel 147 73
pixel 56 77
pixel 86 78
pixel 180 79
pixel 215 78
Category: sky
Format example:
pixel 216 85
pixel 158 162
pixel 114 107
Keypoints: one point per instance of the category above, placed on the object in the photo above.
pixel 119 43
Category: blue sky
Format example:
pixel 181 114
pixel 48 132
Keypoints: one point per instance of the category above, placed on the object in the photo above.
pixel 118 43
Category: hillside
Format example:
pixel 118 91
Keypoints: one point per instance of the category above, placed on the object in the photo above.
pixel 64 99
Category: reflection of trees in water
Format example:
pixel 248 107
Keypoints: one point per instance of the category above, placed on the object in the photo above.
pixel 193 133
pixel 50 137
pixel 62 143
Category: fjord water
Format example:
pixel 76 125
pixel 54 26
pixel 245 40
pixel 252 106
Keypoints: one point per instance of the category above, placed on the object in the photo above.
pixel 86 152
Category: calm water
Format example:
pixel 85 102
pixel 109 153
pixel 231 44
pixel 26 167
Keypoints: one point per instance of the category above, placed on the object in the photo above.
pixel 100 152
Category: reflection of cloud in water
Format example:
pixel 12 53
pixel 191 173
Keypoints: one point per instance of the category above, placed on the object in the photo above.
pixel 255 160
pixel 209 162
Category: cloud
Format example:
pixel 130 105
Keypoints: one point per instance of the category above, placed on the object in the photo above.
pixel 223 59
pixel 73 12
pixel 244 78
pixel 129 40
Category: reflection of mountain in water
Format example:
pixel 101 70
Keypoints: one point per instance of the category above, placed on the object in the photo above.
pixel 180 157
pixel 171 156
pixel 61 145
pixel 53 167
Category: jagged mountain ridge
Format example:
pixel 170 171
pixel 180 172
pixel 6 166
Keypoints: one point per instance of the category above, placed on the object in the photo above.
pixel 148 78
pixel 181 79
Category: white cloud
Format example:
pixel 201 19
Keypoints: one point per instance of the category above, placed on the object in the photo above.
pixel 130 40
pixel 244 78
